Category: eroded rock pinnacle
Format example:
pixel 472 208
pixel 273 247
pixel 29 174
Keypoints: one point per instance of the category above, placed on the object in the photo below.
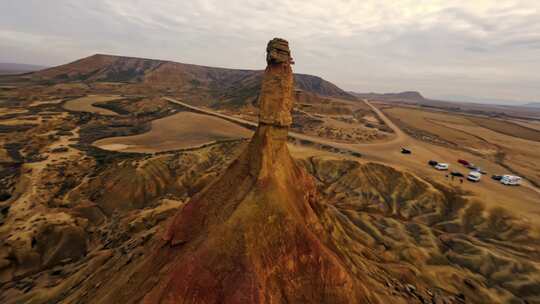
pixel 276 97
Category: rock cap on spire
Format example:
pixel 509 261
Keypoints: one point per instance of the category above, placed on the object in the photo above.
pixel 276 96
pixel 277 51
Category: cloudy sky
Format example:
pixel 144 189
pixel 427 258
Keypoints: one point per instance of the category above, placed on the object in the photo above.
pixel 474 48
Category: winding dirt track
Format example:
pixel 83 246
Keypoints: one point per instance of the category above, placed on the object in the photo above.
pixel 524 200
pixel 399 137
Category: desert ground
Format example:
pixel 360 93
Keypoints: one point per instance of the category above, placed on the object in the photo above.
pixel 91 174
pixel 457 145
pixel 86 104
pixel 181 130
pixel 503 142
pixel 529 124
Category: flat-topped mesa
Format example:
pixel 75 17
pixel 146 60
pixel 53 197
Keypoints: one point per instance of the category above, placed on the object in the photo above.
pixel 276 96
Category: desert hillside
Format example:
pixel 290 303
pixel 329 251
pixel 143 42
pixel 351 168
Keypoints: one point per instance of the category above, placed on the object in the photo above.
pixel 235 87
pixel 126 180
pixel 177 152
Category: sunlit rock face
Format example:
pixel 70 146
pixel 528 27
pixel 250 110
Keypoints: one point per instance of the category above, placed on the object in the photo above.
pixel 262 232
pixel 254 235
pixel 276 96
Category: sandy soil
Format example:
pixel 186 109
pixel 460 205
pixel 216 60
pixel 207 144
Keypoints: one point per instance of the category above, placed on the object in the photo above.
pixel 85 104
pixel 490 138
pixel 182 130
pixel 42 102
pixel 30 195
pixel 11 111
pixel 529 124
pixel 520 154
pixel 373 204
pixel 34 119
pixel 524 200
pixel 507 128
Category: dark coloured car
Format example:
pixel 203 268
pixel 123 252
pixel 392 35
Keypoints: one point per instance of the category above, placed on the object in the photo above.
pixel 464 162
pixel 405 151
pixel 497 177
pixel 432 163
pixel 472 167
pixel 457 174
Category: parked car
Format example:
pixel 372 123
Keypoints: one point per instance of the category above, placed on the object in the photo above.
pixel 405 151
pixel 474 176
pixel 478 169
pixel 496 177
pixel 441 166
pixel 457 174
pixel 463 162
pixel 432 163
pixel 511 180
pixel 472 167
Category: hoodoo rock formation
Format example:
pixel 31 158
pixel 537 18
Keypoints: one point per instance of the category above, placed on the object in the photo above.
pixel 256 234
pixel 253 236
pixel 236 221
pixel 276 97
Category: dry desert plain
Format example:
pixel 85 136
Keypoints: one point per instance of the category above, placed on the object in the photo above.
pixel 84 104
pixel 91 174
pixel 431 135
pixel 179 131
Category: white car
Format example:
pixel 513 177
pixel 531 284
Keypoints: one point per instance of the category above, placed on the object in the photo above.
pixel 511 180
pixel 474 176
pixel 441 166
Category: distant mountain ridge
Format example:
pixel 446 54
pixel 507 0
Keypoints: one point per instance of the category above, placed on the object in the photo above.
pixel 18 68
pixel 527 111
pixel 233 86
pixel 401 96
pixel 532 105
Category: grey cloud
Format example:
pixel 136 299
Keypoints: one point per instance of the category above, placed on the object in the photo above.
pixel 533 42
pixel 440 47
pixel 477 49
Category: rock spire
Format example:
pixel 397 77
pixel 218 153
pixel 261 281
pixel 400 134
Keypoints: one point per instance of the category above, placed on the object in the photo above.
pixel 276 96
pixel 254 234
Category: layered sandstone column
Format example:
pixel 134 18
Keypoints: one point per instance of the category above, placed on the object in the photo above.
pixel 276 96
pixel 253 235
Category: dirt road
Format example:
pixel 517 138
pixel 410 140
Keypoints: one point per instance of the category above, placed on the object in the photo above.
pixel 253 125
pixel 400 136
pixel 524 199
